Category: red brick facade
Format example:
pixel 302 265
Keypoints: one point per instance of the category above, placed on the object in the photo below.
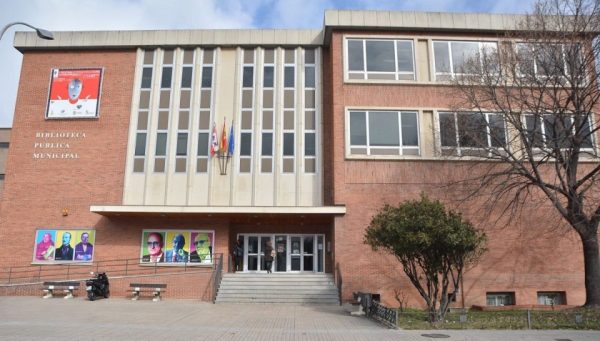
pixel 533 253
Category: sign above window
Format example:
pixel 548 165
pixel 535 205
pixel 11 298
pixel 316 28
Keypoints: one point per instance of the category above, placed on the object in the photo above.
pixel 74 93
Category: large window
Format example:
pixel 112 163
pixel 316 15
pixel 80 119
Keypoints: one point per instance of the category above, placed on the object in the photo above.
pixel 549 60
pixel 380 59
pixel 469 133
pixel 549 131
pixel 454 58
pixel 383 132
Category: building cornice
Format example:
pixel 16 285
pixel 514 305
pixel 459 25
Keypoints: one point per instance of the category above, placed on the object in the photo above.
pixel 333 20
pixel 168 38
pixel 112 210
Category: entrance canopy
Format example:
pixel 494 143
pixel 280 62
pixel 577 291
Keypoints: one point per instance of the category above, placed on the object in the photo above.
pixel 245 212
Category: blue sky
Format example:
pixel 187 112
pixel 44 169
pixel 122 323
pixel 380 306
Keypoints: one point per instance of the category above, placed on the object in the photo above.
pixel 68 15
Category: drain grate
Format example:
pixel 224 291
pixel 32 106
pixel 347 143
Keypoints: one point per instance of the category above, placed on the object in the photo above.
pixel 563 340
pixel 436 336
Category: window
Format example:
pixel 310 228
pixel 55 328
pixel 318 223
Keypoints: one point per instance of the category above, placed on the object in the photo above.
pixel 4 144
pixel 454 58
pixel 499 299
pixel 202 156
pixel 289 112
pixel 267 116
pixel 548 131
pixel 551 297
pixel 310 111
pixel 464 134
pixel 249 80
pixel 183 124
pixel 383 133
pixel 141 135
pixel 548 60
pixel 380 59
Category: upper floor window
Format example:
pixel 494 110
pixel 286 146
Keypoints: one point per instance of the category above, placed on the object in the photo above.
pixel 383 132
pixel 380 59
pixel 454 58
pixel 550 131
pixel 464 134
pixel 549 60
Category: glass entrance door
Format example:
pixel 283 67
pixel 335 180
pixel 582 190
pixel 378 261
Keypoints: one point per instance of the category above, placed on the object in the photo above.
pixel 294 252
pixel 281 253
pixel 254 246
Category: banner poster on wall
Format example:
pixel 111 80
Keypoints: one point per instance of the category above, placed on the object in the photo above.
pixel 74 93
pixel 177 246
pixel 64 245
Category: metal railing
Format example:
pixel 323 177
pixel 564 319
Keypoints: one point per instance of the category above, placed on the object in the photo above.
pixel 338 281
pixel 116 267
pixel 217 276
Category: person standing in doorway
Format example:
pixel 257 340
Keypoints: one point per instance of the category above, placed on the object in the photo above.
pixel 238 255
pixel 269 254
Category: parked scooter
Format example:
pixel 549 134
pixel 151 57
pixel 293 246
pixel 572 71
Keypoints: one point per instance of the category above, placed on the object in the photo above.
pixel 97 286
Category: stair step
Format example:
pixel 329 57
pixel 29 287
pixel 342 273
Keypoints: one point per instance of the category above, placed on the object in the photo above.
pixel 277 300
pixel 276 293
pixel 278 288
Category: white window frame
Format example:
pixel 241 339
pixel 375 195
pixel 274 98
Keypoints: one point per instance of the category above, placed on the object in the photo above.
pixel 500 299
pixel 365 73
pixel 458 148
pixel 544 297
pixel 400 148
pixel 452 74
pixel 591 150
pixel 535 61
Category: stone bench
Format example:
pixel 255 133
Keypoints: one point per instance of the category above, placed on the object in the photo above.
pixel 50 288
pixel 154 288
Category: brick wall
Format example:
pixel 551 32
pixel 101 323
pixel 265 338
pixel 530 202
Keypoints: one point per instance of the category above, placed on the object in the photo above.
pixel 532 252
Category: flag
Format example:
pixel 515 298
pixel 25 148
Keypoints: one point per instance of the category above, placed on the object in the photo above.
pixel 231 140
pixel 214 144
pixel 223 145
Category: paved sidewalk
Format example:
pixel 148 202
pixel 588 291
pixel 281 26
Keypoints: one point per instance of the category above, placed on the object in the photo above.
pixel 33 318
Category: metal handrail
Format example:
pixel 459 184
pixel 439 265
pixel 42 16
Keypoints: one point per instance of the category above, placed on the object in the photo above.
pixel 116 267
pixel 217 276
pixel 338 281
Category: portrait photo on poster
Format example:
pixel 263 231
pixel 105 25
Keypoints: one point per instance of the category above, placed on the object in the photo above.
pixel 63 245
pixel 74 93
pixel 177 247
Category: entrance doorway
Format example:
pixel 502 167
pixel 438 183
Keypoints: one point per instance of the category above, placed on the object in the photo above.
pixel 294 252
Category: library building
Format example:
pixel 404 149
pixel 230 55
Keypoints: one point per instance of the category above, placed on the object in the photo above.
pixel 191 158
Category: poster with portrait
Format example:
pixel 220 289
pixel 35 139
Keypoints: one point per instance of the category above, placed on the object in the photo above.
pixel 84 247
pixel 65 242
pixel 174 247
pixel 74 93
pixel 63 245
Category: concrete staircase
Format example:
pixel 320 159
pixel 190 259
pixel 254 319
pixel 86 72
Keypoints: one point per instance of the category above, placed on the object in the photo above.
pixel 278 288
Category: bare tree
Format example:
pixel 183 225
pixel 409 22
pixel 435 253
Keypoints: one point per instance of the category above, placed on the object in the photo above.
pixel 530 104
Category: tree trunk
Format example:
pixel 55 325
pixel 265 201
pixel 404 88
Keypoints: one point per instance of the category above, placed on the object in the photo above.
pixel 591 259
